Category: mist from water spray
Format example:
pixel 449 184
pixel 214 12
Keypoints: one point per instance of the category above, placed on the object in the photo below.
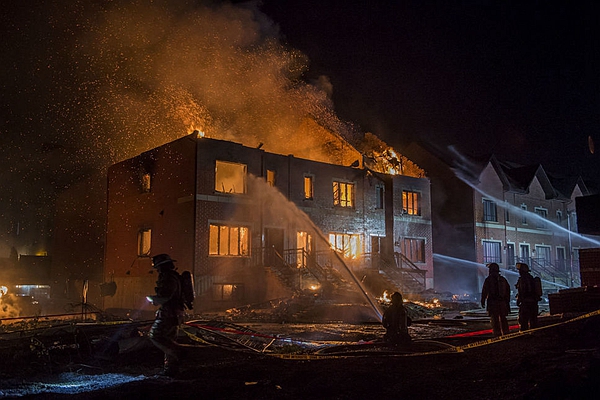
pixel 518 211
pixel 482 267
pixel 276 207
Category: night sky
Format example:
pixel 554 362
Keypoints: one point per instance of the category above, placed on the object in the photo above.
pixel 85 84
pixel 517 78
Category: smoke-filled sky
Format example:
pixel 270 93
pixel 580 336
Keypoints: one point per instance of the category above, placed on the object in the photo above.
pixel 89 83
pixel 86 83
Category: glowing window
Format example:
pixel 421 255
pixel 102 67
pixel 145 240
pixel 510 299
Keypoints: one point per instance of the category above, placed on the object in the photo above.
pixel 411 202
pixel 347 244
pixel 414 249
pixel 308 187
pixel 225 240
pixel 146 182
pixel 271 177
pixel 230 177
pixel 228 291
pixel 144 242
pixel 343 194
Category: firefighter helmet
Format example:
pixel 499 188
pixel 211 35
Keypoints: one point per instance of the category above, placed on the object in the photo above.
pixel 493 267
pixel 162 259
pixel 522 267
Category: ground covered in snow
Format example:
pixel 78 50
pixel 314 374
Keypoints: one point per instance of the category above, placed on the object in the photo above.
pixel 561 361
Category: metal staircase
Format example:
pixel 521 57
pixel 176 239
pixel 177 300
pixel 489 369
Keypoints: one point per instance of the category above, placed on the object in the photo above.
pixel 403 273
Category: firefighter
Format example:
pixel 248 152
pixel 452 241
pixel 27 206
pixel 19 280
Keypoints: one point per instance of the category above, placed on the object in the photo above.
pixel 396 321
pixel 527 298
pixel 496 290
pixel 170 313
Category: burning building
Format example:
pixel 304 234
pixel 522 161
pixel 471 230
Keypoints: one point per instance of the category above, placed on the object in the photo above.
pixel 254 225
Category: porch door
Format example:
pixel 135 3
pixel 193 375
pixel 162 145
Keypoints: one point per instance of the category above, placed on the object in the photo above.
pixel 376 247
pixel 274 246
pixel 561 259
pixel 510 255
pixel 524 253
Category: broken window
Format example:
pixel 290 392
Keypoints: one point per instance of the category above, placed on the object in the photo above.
pixel 144 241
pixel 411 202
pixel 230 177
pixel 414 249
pixel 489 211
pixel 343 194
pixel 308 187
pixel 347 244
pixel 226 240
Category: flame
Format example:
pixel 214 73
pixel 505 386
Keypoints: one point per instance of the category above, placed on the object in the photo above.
pixel 381 157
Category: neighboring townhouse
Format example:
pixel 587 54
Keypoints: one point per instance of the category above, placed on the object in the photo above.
pixel 255 226
pixel 486 210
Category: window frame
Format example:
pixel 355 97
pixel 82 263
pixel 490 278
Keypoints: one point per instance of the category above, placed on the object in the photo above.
pixel 497 253
pixel 490 210
pixel 344 194
pixel 411 202
pixel 309 187
pixel 220 246
pixel 144 242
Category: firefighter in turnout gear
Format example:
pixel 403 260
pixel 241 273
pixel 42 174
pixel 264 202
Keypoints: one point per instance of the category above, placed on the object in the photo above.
pixel 527 298
pixel 496 291
pixel 170 313
pixel 396 321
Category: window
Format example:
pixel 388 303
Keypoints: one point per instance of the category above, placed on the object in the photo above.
pixel 543 215
pixel 343 194
pixel 559 217
pixel 347 244
pixel 230 177
pixel 411 202
pixel 228 240
pixel 524 214
pixel 308 187
pixel 414 249
pixel 228 291
pixel 379 193
pixel 144 241
pixel 489 211
pixel 492 252
pixel 146 182
pixel 271 177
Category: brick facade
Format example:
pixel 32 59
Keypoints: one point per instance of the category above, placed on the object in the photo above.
pixel 185 206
